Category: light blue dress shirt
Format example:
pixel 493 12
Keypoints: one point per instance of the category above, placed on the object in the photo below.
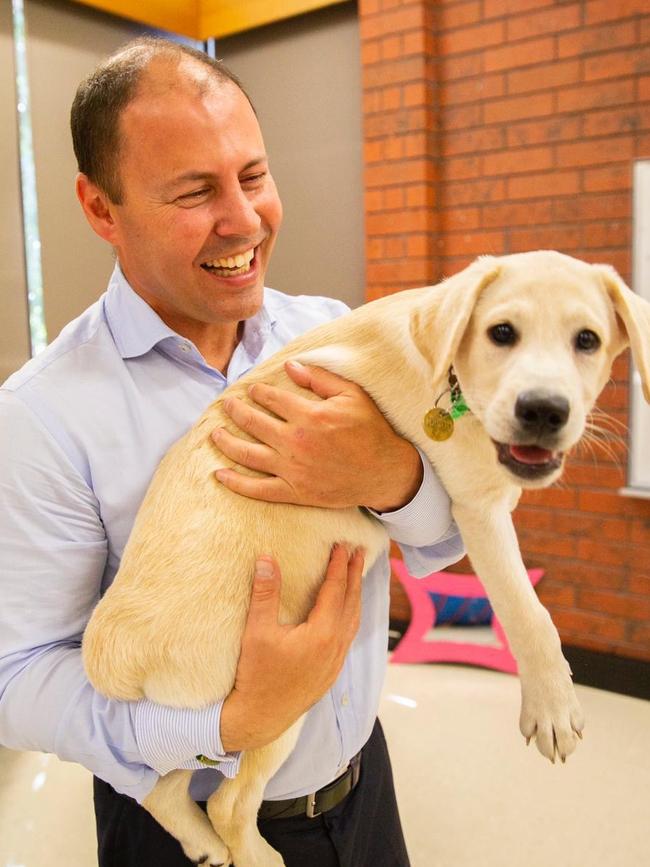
pixel 82 428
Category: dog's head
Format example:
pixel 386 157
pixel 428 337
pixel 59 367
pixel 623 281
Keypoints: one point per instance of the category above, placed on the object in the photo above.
pixel 532 338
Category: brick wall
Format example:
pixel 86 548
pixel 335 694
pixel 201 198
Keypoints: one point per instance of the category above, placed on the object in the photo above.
pixel 496 126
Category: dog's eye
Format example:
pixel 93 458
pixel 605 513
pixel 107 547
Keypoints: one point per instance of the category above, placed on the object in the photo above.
pixel 587 340
pixel 503 334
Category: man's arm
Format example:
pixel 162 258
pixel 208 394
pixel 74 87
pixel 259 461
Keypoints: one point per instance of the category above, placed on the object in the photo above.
pixel 53 548
pixel 335 452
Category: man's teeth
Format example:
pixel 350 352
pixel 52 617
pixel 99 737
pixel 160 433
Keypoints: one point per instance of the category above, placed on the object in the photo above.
pixel 239 264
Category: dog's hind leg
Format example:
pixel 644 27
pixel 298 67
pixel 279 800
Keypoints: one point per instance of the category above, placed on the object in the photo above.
pixel 170 804
pixel 233 807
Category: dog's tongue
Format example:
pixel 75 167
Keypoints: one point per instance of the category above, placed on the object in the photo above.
pixel 531 454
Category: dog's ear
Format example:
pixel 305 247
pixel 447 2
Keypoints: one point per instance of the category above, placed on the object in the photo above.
pixel 634 313
pixel 438 325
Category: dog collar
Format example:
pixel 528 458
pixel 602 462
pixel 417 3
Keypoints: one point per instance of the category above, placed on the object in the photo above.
pixel 439 423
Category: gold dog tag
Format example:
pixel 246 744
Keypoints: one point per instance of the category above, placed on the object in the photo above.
pixel 438 424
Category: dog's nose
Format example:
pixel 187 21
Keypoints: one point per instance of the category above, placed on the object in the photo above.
pixel 540 412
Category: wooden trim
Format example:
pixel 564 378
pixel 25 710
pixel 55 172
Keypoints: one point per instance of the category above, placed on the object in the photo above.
pixel 177 17
pixel 202 19
pixel 224 17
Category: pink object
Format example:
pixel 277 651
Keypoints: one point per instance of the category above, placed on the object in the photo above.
pixel 413 647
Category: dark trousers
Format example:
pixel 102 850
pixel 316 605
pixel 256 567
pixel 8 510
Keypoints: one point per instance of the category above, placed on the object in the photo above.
pixel 364 830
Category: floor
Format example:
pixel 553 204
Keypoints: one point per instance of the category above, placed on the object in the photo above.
pixel 471 793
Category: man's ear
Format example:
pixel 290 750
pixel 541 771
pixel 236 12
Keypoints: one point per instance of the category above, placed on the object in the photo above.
pixel 97 207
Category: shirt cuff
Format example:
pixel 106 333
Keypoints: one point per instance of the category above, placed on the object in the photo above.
pixel 427 518
pixel 172 738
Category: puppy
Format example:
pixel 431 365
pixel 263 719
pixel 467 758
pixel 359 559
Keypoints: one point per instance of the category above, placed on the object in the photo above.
pixel 527 342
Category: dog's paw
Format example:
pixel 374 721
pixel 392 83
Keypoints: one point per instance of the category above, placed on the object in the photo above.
pixel 209 852
pixel 256 853
pixel 550 712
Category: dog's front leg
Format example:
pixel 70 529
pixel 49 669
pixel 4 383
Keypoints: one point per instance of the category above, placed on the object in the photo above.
pixel 550 711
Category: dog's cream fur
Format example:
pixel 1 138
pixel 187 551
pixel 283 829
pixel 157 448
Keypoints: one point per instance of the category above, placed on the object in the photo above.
pixel 170 626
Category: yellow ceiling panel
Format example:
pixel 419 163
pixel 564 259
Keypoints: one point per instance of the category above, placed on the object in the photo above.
pixel 201 19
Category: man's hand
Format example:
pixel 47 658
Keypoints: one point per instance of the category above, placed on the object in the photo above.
pixel 284 670
pixel 335 452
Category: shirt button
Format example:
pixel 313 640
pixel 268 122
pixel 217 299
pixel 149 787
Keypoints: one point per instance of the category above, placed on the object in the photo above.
pixel 186 347
pixel 345 700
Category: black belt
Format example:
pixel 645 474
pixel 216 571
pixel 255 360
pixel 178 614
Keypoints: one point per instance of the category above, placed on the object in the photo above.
pixel 318 802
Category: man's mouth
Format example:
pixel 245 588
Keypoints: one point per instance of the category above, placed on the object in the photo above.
pixel 231 266
pixel 529 462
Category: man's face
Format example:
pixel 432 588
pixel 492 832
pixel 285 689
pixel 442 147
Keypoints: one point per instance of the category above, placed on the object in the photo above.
pixel 200 211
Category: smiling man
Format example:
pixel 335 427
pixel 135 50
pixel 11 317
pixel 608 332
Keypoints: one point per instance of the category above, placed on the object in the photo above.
pixel 173 174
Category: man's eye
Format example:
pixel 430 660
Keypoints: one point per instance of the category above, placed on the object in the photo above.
pixel 251 180
pixel 195 194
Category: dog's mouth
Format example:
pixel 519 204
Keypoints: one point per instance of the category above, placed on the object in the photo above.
pixel 529 462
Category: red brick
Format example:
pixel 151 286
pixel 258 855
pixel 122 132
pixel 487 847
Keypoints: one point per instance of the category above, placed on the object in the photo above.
pixel 510 215
pixel 547 21
pixel 459 15
pixel 419 42
pixel 518 108
pixel 475 243
pixel 547 543
pixel 527 53
pixel 421 195
pixel 617 64
pixel 472 141
pixel 582 623
pixel 614 177
pixel 564 238
pixel 393 198
pixel 462 168
pixel 539 185
pixel 473 89
pixel 544 77
pixel 640 641
pixel 587 574
pixel 598 11
pixel 475 192
pixel 555 498
pixel 621 605
pixel 644 88
pixel 557 595
pixel 594 152
pixel 411 17
pixel 463 117
pixel 513 162
pixel 460 219
pixel 593 39
pixel 461 66
pixel 499 8
pixel 640 532
pixel 544 131
pixel 639 583
pixel 473 38
pixel 605 235
pixel 597 95
pixel 411 220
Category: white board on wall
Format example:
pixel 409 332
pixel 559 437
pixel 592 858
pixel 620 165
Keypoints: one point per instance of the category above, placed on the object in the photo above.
pixel 638 476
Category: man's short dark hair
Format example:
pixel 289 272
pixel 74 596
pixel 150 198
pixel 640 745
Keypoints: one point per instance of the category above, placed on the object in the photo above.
pixel 105 93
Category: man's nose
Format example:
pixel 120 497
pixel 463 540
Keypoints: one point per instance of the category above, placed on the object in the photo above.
pixel 237 215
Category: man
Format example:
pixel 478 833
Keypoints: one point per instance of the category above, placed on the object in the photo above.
pixel 174 175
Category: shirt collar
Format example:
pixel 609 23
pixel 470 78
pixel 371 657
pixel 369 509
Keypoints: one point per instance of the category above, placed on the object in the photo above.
pixel 137 328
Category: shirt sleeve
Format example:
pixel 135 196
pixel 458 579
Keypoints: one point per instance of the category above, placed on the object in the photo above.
pixel 424 528
pixel 53 552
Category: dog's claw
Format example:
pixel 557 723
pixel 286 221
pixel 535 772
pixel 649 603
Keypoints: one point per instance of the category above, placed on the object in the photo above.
pixel 528 742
